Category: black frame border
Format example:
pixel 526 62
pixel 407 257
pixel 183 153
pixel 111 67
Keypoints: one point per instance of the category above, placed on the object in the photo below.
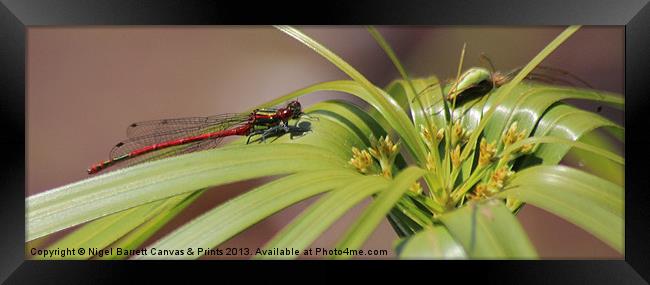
pixel 17 15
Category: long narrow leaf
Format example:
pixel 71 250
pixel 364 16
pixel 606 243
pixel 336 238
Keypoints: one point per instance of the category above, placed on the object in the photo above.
pixel 357 121
pixel 86 200
pixel 372 216
pixel 537 140
pixel 430 243
pixel 595 164
pixel 489 231
pixel 567 122
pixel 102 232
pixel 375 96
pixel 589 202
pixel 528 102
pixel 405 77
pixel 225 221
pixel 137 237
pixel 311 223
pixel 505 90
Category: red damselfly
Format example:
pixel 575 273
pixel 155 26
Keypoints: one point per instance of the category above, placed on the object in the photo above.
pixel 150 140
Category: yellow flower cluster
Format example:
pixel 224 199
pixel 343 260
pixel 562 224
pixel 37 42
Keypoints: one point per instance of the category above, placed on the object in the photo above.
pixel 432 136
pixel 382 150
pixel 496 183
pixel 480 192
pixel 455 157
pixel 458 134
pixel 361 160
pixel 499 177
pixel 427 135
pixel 511 136
pixel 431 164
pixel 416 188
pixel 440 134
pixel 486 153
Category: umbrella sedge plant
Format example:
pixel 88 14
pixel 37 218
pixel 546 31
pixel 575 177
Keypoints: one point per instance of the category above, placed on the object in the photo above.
pixel 449 164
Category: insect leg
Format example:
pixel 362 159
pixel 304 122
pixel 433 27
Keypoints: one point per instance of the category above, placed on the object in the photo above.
pixel 423 91
pixel 273 131
pixel 548 79
pixel 485 59
pixel 565 73
pixel 253 133
pixel 298 129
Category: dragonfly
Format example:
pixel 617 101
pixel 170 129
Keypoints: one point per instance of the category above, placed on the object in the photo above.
pixel 149 140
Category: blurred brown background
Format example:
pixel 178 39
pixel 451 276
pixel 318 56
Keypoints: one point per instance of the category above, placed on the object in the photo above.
pixel 85 85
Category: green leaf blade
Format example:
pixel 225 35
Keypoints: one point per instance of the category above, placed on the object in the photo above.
pixel 378 209
pixel 225 221
pixel 101 233
pixel 430 243
pixel 76 203
pixel 134 239
pixel 375 96
pixel 304 230
pixel 489 231
pixel 585 200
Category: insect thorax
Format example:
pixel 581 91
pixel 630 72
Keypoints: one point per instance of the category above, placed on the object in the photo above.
pixel 260 127
pixel 266 117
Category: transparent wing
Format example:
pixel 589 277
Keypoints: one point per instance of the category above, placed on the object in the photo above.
pixel 160 131
pixel 163 127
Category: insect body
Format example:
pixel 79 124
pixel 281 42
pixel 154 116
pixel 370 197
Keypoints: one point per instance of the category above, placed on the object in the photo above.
pixel 479 81
pixel 196 133
pixel 476 80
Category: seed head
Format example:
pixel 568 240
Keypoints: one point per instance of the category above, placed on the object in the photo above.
pixel 384 151
pixel 440 134
pixel 427 135
pixel 512 136
pixel 521 135
pixel 374 152
pixel 416 188
pixel 383 147
pixel 499 177
pixel 455 157
pixel 486 153
pixel 431 165
pixel 480 192
pixel 361 160
pixel 457 132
